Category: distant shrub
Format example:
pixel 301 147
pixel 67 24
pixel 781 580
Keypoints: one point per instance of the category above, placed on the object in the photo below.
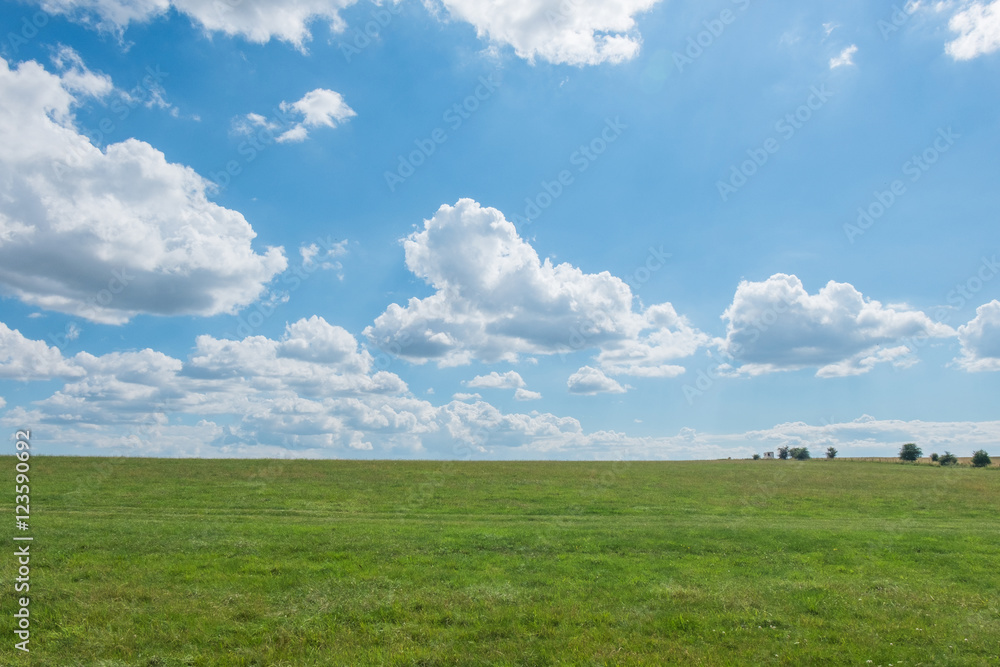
pixel 756 457
pixel 980 459
pixel 910 452
pixel 799 453
pixel 831 452
pixel 934 457
pixel 948 459
pixel 782 453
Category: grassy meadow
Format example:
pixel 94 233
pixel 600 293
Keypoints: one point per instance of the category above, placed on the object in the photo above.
pixel 163 562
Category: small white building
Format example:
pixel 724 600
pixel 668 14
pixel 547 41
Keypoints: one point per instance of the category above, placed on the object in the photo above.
pixel 769 455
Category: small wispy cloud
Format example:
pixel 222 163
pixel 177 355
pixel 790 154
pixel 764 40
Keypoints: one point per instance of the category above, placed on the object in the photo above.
pixel 324 258
pixel 846 57
pixel 318 108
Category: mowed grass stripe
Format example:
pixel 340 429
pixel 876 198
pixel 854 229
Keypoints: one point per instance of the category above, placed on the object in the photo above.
pixel 174 562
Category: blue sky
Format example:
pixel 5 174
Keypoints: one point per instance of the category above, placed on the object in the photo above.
pixel 502 229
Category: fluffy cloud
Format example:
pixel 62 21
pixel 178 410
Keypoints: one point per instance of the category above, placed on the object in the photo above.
pixel 575 32
pixel 776 325
pixel 846 57
pixel 311 392
pixel 25 359
pixel 666 337
pixel 312 389
pixel 313 358
pixel 526 395
pixel 260 397
pixel 592 381
pixel 108 234
pixel 980 339
pixel 978 26
pixel 255 20
pixel 509 380
pixel 495 300
pixel 318 108
pixel 321 108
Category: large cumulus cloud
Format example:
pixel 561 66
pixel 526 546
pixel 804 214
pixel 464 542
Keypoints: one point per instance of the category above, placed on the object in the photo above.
pixel 496 300
pixel 108 234
pixel 776 325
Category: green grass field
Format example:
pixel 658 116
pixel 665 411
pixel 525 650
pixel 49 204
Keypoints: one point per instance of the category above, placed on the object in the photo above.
pixel 206 562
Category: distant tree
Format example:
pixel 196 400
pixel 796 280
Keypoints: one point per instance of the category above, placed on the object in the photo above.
pixel 980 459
pixel 948 459
pixel 756 457
pixel 799 453
pixel 910 452
pixel 934 457
pixel 831 452
pixel 782 453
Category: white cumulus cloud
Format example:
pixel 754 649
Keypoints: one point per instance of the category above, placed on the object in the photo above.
pixel 321 108
pixel 978 26
pixel 526 395
pixel 312 392
pixel 776 325
pixel 25 359
pixel 257 21
pixel 269 398
pixel 508 380
pixel 107 234
pixel 495 300
pixel 980 339
pixel 574 32
pixel 590 381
